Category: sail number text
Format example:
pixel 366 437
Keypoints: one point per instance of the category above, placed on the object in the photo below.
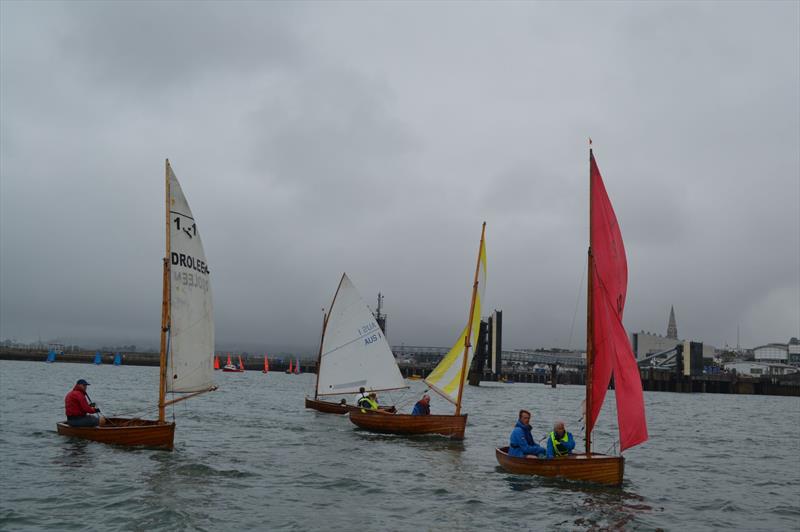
pixel 190 230
pixel 365 330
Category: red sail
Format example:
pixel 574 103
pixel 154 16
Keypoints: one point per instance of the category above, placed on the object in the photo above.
pixel 611 349
pixel 216 362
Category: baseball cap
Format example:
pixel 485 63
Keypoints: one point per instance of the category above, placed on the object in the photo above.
pixel 82 381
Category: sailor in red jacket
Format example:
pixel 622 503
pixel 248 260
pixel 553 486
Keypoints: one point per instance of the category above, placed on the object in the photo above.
pixel 80 412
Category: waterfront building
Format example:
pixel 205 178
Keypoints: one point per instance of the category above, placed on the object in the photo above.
pixel 645 343
pixel 772 353
pixel 794 351
pixel 757 369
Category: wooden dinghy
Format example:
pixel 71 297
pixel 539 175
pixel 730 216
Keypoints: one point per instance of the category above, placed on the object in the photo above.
pixel 406 424
pixel 447 379
pixel 608 353
pixel 591 467
pixel 125 431
pixel 329 407
pixel 353 354
pixel 187 331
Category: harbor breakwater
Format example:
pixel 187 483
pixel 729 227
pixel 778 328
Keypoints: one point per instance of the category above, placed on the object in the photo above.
pixel 652 379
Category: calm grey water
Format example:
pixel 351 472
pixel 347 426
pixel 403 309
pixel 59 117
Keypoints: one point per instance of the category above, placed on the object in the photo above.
pixel 249 456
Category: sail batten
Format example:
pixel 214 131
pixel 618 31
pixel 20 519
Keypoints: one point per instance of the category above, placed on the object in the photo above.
pixel 191 324
pixel 611 350
pixel 354 352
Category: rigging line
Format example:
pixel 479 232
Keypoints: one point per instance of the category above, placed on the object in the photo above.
pixel 577 304
pixel 181 214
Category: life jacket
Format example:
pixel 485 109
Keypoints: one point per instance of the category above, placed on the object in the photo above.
pixel 558 445
pixel 367 402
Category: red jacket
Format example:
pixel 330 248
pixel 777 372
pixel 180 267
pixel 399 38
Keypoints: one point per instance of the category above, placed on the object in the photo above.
pixel 76 404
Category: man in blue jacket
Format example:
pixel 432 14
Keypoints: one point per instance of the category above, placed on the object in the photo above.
pixel 559 442
pixel 521 442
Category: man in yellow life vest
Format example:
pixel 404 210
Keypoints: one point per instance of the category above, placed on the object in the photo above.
pixel 369 402
pixel 559 442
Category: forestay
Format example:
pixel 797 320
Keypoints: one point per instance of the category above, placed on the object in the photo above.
pixel 446 377
pixel 191 325
pixel 354 350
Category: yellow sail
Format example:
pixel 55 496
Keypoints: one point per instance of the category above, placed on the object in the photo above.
pixel 446 377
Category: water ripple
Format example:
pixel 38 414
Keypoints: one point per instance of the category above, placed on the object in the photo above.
pixel 251 457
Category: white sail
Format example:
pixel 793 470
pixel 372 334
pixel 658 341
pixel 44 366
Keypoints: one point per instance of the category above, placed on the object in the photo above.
pixel 447 376
pixel 354 350
pixel 191 325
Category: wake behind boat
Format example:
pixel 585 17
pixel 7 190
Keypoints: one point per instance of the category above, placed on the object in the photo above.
pixel 353 353
pixel 608 352
pixel 447 379
pixel 187 332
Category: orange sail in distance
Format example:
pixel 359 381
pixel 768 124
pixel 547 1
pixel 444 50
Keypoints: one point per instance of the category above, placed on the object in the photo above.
pixel 241 364
pixel 266 365
pixel 290 370
pixel 216 362
pixel 228 363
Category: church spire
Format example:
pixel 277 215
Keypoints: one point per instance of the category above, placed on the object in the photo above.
pixel 672 328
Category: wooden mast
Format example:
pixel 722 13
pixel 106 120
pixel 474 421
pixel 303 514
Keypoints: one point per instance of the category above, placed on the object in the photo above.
pixel 319 355
pixel 322 337
pixel 467 345
pixel 589 328
pixel 165 299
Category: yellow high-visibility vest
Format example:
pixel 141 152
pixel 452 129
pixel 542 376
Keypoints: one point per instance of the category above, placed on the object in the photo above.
pixel 559 449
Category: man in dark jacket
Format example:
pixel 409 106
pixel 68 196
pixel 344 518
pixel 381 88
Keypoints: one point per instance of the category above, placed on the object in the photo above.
pixel 521 442
pixel 423 406
pixel 80 412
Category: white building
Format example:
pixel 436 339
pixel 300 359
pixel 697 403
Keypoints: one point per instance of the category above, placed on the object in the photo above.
pixel 772 353
pixel 794 351
pixel 757 369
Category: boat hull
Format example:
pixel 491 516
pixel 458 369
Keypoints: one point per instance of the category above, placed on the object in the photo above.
pixel 376 421
pixel 125 431
pixel 593 467
pixel 337 408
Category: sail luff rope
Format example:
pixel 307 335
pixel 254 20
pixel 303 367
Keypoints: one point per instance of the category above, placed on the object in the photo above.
pixel 577 304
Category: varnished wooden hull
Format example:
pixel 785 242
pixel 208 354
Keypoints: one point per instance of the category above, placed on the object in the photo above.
pixel 337 408
pixel 598 468
pixel 450 426
pixel 124 431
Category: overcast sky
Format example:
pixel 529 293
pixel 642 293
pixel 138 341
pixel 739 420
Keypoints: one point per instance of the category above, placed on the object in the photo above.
pixel 374 138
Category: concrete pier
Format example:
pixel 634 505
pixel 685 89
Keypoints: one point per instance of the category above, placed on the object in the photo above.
pixel 652 380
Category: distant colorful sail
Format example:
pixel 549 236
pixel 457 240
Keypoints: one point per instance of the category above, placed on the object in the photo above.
pixel 290 366
pixel 611 349
pixel 216 362
pixel 97 358
pixel 51 356
pixel 241 364
pixel 297 367
pixel 229 363
pixel 266 364
pixel 117 359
